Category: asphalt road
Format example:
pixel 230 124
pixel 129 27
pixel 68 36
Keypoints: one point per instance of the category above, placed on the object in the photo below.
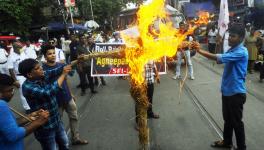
pixel 189 120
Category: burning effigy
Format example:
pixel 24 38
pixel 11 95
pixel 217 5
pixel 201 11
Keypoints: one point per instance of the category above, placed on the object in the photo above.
pixel 150 44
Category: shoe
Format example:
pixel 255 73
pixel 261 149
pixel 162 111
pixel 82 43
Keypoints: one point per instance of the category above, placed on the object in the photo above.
pixel 154 116
pixel 94 92
pixel 192 77
pixel 83 93
pixel 220 144
pixel 80 142
pixel 176 77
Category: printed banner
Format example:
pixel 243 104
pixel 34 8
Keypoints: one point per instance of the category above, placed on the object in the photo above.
pixel 115 66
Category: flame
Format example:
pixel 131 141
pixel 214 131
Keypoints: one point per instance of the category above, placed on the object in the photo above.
pixel 152 43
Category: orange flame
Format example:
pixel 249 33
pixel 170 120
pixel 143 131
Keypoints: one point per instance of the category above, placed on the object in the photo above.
pixel 153 43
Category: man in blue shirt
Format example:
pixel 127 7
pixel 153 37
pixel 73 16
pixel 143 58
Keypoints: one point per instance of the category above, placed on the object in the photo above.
pixel 233 87
pixel 64 97
pixel 11 134
pixel 40 93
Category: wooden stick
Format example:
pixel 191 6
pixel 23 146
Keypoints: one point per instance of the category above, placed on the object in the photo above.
pixel 21 115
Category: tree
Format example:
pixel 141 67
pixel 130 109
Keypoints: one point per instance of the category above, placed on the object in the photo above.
pixel 16 15
pixel 104 11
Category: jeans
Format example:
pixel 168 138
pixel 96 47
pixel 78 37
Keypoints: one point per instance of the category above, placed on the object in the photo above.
pixel 233 114
pixel 180 55
pixel 51 138
pixel 71 110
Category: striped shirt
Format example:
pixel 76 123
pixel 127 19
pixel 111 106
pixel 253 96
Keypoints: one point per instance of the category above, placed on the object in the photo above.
pixel 150 69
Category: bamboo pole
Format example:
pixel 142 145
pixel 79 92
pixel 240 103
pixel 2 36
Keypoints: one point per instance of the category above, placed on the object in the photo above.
pixel 21 115
pixel 139 94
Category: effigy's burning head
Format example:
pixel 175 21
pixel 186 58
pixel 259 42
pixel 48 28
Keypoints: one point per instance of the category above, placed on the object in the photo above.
pixel 157 37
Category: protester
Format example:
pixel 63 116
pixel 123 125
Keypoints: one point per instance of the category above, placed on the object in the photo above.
pixel 151 75
pixel 250 43
pixel 64 97
pixel 85 67
pixel 116 38
pixel 60 57
pixel 11 133
pixel 3 59
pixel 184 51
pixel 73 56
pixel 12 63
pixel 29 50
pixel 40 93
pixel 65 46
pixel 212 39
pixel 233 87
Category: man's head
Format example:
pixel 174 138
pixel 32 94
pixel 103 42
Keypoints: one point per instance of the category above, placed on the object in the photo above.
pixel 6 87
pixel 83 39
pixel 31 69
pixel 116 35
pixel 27 42
pixel 17 47
pixel 52 42
pixel 72 37
pixel 236 34
pixel 182 26
pixel 48 52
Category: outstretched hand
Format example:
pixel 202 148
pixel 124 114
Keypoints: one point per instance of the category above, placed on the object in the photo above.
pixel 195 46
pixel 67 69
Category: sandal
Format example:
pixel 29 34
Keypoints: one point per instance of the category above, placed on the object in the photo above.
pixel 80 142
pixel 220 144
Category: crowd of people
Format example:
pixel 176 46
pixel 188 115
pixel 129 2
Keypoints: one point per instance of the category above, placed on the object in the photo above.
pixel 41 77
pixel 40 74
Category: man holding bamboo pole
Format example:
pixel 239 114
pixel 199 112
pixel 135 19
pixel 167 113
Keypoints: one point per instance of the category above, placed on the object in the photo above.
pixel 11 134
pixel 40 92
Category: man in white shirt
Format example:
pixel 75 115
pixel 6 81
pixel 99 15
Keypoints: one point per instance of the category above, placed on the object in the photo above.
pixel 12 64
pixel 212 39
pixel 29 50
pixel 116 38
pixel 3 60
pixel 65 46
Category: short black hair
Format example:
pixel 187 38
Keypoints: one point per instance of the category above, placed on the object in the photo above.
pixel 238 29
pixel 5 80
pixel 181 23
pixel 26 66
pixel 45 48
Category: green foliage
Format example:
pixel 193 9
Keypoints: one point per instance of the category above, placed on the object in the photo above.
pixel 16 15
pixel 104 11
